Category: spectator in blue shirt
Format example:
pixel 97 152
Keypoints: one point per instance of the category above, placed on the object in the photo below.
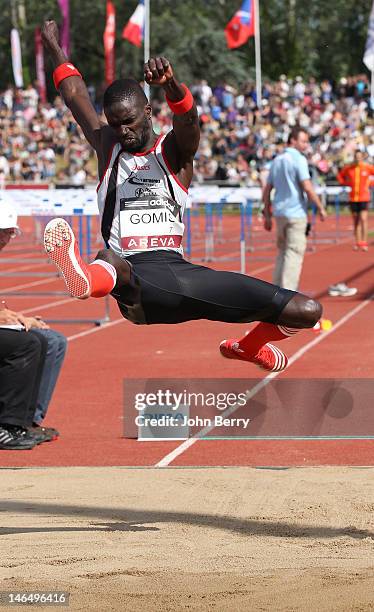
pixel 289 176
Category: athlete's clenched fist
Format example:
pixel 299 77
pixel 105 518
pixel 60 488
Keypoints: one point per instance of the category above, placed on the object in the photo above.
pixel 158 71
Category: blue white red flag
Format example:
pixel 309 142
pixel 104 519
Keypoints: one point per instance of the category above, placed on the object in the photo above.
pixel 369 50
pixel 241 26
pixel 134 29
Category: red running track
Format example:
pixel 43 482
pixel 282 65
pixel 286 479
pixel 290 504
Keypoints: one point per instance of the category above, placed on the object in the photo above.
pixel 87 406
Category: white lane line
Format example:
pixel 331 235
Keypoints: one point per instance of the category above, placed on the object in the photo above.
pixel 81 334
pixel 259 270
pixel 30 284
pixel 22 268
pixel 270 266
pixel 336 326
pixel 48 305
pixel 87 332
pixel 170 457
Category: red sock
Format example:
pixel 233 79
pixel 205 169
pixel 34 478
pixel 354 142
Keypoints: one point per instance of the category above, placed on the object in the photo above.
pixel 103 277
pixel 263 333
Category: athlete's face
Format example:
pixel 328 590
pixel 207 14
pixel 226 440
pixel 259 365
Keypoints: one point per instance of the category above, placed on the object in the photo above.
pixel 132 124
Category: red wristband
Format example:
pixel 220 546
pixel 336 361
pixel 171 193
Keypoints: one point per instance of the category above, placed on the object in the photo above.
pixel 184 105
pixel 63 71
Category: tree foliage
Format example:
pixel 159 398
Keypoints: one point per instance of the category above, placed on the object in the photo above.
pixel 320 38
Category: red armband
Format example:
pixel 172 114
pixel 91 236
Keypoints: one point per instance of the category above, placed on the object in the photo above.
pixel 63 71
pixel 184 105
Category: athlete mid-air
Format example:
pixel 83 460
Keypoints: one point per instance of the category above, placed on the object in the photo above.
pixel 144 179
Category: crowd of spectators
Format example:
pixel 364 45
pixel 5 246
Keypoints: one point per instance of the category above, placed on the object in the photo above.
pixel 41 142
pixel 239 139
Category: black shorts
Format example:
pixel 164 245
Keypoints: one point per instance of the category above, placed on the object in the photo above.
pixel 357 207
pixel 165 288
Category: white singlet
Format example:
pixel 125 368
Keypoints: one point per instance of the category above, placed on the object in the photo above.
pixel 150 202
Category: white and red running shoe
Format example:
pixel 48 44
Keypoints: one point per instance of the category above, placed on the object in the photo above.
pixel 269 357
pixel 62 249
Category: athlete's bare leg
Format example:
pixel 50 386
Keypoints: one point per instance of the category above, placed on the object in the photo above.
pixel 364 227
pixel 301 312
pixel 356 227
pixel 121 266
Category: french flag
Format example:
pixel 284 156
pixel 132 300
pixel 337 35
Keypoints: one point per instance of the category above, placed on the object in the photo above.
pixel 134 29
pixel 241 26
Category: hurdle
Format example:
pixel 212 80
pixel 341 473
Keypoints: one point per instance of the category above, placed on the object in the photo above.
pixel 220 217
pixel 213 244
pixel 216 219
pixel 336 197
pixel 76 206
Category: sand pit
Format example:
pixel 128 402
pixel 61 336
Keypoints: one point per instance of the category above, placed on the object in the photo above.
pixel 191 539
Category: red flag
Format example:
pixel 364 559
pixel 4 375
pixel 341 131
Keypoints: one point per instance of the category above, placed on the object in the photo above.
pixel 109 39
pixel 241 26
pixel 39 62
pixel 65 29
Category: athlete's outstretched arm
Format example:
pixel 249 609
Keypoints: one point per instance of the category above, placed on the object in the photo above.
pixel 74 92
pixel 183 141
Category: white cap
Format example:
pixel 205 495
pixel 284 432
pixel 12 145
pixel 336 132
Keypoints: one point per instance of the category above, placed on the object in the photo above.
pixel 8 217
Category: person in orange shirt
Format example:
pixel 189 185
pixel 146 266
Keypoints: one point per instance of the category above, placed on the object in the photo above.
pixel 357 176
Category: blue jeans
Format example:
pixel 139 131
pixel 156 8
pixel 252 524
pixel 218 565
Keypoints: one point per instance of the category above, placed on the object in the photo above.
pixel 54 358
